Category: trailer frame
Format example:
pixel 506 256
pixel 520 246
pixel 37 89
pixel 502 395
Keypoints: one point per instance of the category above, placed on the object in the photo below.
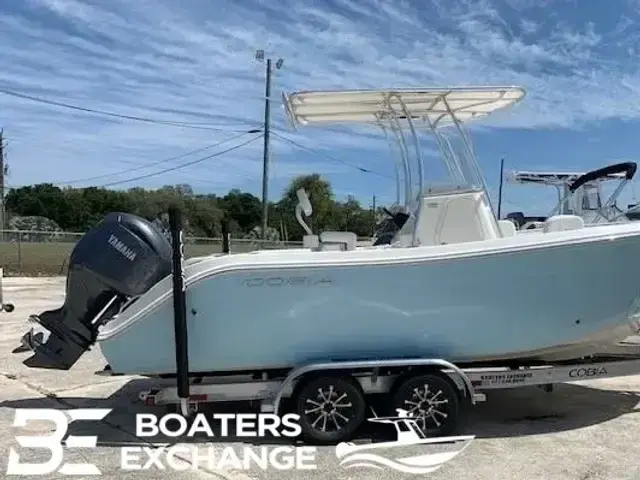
pixel 377 377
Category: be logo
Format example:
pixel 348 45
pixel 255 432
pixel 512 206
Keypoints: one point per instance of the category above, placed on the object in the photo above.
pixel 53 443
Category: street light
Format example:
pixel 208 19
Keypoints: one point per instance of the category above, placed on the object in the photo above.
pixel 260 56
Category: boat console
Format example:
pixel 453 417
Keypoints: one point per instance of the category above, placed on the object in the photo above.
pixel 454 215
pixel 116 261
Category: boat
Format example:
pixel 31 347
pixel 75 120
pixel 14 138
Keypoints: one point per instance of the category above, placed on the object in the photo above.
pixel 376 455
pixel 446 283
pixel 580 194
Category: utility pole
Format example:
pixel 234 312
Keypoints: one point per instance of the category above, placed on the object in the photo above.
pixel 500 188
pixel 3 170
pixel 267 125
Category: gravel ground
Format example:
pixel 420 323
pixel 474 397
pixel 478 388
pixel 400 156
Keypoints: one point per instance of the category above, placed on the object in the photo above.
pixel 583 431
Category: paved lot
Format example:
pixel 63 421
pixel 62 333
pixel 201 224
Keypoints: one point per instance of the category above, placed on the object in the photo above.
pixel 580 431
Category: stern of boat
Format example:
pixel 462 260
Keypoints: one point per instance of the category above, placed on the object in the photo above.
pixel 109 268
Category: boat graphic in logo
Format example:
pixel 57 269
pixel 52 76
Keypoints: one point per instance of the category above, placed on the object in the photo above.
pixel 390 454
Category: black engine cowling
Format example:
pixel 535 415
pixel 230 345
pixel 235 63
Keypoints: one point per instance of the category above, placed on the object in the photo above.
pixel 121 258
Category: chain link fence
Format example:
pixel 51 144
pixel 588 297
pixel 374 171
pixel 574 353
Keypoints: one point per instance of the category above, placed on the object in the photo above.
pixel 37 253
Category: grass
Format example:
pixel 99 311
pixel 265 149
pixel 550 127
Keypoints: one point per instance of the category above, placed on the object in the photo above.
pixel 32 259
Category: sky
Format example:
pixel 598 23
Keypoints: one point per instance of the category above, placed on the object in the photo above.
pixel 190 67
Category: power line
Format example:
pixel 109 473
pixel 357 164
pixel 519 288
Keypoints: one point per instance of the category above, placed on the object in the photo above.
pixel 194 125
pixel 344 162
pixel 183 165
pixel 158 162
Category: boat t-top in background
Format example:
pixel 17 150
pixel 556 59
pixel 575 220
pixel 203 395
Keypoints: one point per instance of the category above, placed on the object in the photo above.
pixel 413 317
pixel 580 194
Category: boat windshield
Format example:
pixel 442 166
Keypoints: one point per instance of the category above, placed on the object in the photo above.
pixel 591 200
pixel 459 157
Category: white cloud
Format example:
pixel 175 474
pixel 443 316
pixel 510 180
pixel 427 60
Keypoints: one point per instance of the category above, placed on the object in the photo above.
pixel 194 61
pixel 529 27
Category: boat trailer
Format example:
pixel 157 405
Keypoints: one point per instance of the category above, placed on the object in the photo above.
pixel 382 376
pixel 4 307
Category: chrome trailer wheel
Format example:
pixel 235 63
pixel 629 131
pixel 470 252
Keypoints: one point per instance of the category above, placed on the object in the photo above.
pixel 432 400
pixel 331 409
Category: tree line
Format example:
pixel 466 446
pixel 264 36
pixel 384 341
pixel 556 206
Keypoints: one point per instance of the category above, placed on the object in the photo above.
pixel 51 208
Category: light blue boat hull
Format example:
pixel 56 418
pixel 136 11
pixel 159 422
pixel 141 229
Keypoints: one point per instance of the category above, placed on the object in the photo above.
pixel 546 302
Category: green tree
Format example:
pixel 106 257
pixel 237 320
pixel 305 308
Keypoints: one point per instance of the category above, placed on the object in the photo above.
pixel 204 216
pixel 243 208
pixel 320 195
pixel 79 209
pixel 44 200
pixel 351 216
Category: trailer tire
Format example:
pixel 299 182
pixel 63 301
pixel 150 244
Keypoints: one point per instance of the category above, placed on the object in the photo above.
pixel 435 402
pixel 331 409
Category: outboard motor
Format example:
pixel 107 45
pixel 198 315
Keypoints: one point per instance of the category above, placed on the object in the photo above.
pixel 118 260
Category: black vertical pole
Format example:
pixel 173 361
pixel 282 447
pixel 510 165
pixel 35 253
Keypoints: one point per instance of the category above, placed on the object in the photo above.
pixel 3 170
pixel 225 234
pixel 500 188
pixel 179 305
pixel 265 156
